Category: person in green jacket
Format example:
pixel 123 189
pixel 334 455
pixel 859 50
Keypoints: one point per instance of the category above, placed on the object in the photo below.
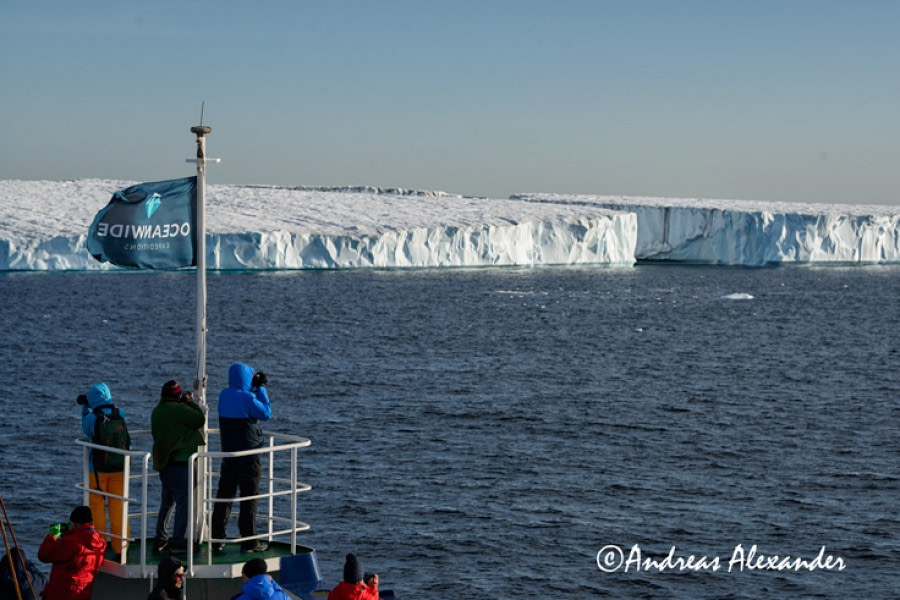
pixel 177 427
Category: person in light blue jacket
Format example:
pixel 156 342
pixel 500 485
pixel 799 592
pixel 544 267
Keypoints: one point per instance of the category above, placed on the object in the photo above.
pixel 99 397
pixel 242 405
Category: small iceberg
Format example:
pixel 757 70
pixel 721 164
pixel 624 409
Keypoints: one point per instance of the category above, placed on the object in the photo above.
pixel 737 296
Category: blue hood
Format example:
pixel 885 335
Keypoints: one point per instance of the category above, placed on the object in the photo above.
pixel 240 376
pixel 261 587
pixel 99 395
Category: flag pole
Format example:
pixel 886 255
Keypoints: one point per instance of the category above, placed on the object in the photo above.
pixel 201 131
pixel 200 381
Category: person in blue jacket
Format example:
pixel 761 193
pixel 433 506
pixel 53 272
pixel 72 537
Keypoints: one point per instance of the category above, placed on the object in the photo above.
pixel 242 405
pixel 99 396
pixel 257 585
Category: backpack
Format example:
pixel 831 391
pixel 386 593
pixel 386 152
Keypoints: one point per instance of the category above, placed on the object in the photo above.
pixel 109 430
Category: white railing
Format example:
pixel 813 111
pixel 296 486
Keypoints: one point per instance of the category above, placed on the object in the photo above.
pixel 126 499
pixel 278 445
pixel 279 454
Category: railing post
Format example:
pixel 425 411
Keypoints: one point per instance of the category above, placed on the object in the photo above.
pixel 123 523
pixel 270 485
pixel 145 483
pixel 86 477
pixel 293 500
pixel 208 506
pixel 190 515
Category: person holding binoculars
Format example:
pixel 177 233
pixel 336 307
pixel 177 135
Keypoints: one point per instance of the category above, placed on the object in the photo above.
pixel 177 427
pixel 242 405
pixel 104 424
pixel 75 549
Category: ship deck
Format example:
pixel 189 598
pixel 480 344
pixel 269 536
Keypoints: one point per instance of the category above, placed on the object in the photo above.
pixel 211 576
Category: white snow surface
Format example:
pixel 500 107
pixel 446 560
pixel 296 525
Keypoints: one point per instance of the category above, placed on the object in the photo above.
pixel 44 225
pixel 736 232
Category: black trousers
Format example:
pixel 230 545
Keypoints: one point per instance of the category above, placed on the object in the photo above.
pixel 234 476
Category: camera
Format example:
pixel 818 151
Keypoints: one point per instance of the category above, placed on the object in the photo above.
pixel 260 379
pixel 81 400
pixel 60 528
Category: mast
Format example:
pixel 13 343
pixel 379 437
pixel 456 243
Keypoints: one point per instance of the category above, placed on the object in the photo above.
pixel 200 381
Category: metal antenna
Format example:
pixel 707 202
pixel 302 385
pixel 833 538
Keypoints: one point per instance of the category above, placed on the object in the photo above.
pixel 201 130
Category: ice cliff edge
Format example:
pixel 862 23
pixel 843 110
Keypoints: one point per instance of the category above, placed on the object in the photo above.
pixel 43 226
pixel 731 232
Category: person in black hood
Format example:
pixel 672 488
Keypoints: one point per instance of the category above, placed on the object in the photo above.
pixel 170 580
pixel 27 577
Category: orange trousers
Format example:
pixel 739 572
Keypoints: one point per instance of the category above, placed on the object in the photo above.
pixel 111 483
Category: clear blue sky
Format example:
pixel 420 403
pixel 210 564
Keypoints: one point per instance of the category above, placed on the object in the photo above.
pixel 787 100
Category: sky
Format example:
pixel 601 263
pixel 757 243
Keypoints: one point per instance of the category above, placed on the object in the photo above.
pixel 788 100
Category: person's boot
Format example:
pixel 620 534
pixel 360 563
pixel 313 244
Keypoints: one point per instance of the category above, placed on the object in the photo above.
pixel 257 546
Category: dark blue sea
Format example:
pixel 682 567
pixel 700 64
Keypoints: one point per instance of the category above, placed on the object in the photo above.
pixel 485 433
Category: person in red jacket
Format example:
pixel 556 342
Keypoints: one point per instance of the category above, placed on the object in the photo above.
pixel 353 587
pixel 76 551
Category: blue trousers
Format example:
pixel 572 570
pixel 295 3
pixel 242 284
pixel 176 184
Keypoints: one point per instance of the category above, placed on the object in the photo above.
pixel 174 479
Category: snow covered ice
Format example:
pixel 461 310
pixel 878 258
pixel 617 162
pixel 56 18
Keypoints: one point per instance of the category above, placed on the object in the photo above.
pixel 44 225
pixel 733 232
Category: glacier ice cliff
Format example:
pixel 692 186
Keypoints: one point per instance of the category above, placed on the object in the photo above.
pixel 732 232
pixel 43 226
pixel 569 241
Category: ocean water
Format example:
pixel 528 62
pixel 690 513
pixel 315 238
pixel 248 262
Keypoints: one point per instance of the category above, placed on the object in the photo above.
pixel 485 433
